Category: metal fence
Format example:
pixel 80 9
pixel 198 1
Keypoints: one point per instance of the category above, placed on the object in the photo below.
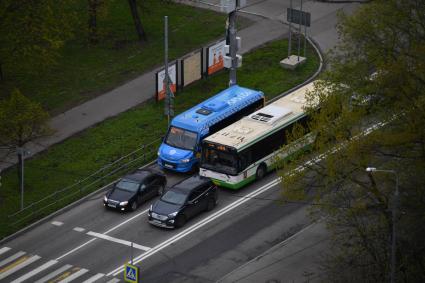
pixel 61 197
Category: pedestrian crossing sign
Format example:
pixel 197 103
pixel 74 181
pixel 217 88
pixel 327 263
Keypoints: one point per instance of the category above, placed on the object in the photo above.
pixel 131 273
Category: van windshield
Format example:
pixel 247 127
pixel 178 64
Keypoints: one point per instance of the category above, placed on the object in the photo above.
pixel 181 138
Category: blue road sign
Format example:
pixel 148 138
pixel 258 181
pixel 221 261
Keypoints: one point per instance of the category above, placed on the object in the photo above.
pixel 131 273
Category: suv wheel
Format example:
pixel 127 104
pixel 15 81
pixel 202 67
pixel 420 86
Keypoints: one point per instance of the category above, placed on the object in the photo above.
pixel 211 204
pixel 180 221
pixel 161 190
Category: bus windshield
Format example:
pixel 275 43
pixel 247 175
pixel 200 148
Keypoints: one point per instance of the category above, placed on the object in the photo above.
pixel 181 138
pixel 220 161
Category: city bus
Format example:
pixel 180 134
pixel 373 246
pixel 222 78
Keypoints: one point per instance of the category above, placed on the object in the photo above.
pixel 247 149
pixel 181 146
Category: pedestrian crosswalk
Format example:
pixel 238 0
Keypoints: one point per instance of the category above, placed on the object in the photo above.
pixel 19 266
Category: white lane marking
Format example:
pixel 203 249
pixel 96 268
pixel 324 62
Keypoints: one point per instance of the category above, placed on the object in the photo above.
pixel 114 280
pixel 54 273
pixel 110 230
pixel 116 240
pixel 77 248
pixel 74 275
pixel 57 223
pixel 11 258
pixel 35 271
pixel 3 250
pixel 198 225
pixel 94 278
pixel 19 266
pixel 79 229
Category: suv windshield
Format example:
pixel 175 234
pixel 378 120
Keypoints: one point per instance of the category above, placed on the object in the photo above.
pixel 181 138
pixel 127 185
pixel 174 197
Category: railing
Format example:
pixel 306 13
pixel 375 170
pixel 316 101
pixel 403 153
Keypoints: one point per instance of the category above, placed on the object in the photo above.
pixel 61 197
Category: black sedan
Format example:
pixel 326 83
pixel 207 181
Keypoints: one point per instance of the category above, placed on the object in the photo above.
pixel 183 201
pixel 135 189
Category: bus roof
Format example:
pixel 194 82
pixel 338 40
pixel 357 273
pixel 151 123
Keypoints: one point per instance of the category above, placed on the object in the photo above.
pixel 200 117
pixel 264 121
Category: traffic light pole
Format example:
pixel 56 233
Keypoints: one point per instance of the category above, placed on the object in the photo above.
pixel 232 46
pixel 166 84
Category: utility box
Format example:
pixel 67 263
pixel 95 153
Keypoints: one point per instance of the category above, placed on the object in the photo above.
pixel 228 61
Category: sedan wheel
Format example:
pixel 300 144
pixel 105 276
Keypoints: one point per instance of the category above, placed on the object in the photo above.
pixel 133 206
pixel 211 204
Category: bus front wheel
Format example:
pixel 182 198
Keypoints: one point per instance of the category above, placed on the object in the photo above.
pixel 261 171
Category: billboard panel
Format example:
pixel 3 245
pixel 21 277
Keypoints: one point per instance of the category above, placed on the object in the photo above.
pixel 160 85
pixel 192 68
pixel 215 57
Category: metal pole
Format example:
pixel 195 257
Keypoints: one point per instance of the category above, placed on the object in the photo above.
pixel 131 251
pixel 299 33
pixel 290 29
pixel 305 33
pixel 393 242
pixel 21 154
pixel 166 85
pixel 233 47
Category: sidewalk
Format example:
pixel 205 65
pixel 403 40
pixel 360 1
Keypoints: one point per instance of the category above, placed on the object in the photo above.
pixel 134 93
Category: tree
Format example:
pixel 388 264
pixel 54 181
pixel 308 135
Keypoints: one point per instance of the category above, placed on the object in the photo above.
pixel 31 32
pixel 21 121
pixel 93 10
pixel 136 18
pixel 377 77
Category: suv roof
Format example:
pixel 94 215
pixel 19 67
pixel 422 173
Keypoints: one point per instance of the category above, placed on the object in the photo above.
pixel 191 183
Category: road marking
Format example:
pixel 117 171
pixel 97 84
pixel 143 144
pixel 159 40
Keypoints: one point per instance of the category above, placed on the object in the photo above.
pixel 3 250
pixel 17 265
pixel 114 280
pixel 79 229
pixel 54 274
pixel 94 278
pixel 198 225
pixel 57 223
pixel 35 271
pixel 74 275
pixel 12 258
pixel 116 240
pixel 110 230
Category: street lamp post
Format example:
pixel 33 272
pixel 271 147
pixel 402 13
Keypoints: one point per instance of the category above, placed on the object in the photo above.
pixel 394 219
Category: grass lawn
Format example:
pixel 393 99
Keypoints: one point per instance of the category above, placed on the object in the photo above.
pixel 84 71
pixel 64 163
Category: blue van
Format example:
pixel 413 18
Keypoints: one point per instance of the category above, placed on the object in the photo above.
pixel 180 149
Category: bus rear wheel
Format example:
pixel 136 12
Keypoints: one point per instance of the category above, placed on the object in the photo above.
pixel 261 171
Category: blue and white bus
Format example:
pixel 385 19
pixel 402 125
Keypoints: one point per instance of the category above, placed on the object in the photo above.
pixel 180 149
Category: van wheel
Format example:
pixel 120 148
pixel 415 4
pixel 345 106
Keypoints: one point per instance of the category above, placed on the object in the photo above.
pixel 261 171
pixel 180 221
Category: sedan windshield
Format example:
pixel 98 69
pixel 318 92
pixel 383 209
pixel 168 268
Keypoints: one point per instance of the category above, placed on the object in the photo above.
pixel 174 197
pixel 127 185
pixel 181 138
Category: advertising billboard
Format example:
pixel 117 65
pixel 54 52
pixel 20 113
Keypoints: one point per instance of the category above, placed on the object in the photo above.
pixel 215 57
pixel 192 69
pixel 160 85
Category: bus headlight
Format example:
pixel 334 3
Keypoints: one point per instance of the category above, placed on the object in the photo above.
pixel 186 160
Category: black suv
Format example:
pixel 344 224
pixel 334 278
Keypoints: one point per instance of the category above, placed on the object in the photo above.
pixel 182 201
pixel 135 189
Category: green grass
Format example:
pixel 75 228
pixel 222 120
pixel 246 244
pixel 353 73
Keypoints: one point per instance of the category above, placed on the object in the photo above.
pixel 84 71
pixel 64 163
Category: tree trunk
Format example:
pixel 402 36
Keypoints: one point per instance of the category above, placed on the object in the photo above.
pixel 137 23
pixel 93 5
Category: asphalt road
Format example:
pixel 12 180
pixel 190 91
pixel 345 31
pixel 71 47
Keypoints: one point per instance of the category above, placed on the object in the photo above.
pixel 206 249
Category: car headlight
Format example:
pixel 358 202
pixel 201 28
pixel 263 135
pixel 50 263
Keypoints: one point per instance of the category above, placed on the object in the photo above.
pixel 105 199
pixel 123 203
pixel 173 214
pixel 158 153
pixel 186 160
